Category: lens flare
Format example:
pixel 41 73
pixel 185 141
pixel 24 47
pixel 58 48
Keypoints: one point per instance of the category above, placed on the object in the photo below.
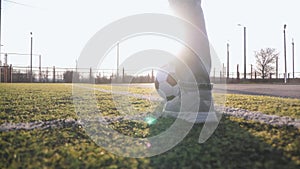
pixel 150 120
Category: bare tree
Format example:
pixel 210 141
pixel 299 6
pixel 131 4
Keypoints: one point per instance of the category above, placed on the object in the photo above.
pixel 265 59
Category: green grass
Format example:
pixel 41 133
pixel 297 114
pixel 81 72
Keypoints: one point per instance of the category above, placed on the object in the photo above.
pixel 130 89
pixel 236 143
pixel 34 102
pixel 266 104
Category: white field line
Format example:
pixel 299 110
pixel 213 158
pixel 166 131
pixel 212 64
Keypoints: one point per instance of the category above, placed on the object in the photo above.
pixel 240 113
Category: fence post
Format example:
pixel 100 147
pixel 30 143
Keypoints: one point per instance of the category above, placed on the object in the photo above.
pixel 40 68
pixel 90 75
pixel 11 73
pixel 0 71
pixel 223 74
pixel 214 75
pixel 53 74
pixel 238 72
pixel 251 70
pixel 5 73
pixel 148 78
pixel 47 74
pixel 123 75
pixel 111 77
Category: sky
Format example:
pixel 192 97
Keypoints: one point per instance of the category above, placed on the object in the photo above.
pixel 61 28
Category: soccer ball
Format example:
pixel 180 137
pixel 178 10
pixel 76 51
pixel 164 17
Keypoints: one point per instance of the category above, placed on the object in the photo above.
pixel 166 83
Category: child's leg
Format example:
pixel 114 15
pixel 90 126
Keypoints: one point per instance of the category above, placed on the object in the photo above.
pixel 191 11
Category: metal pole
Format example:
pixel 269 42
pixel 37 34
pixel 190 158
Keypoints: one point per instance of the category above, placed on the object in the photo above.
pixel 227 60
pixel 5 68
pixel 11 73
pixel 47 73
pixel 54 79
pixel 237 71
pixel 123 78
pixel 293 48
pixel 76 67
pixel 91 75
pixel 251 70
pixel 5 59
pixel 5 74
pixel 223 70
pixel 118 58
pixel 245 54
pixel 285 68
pixel 31 42
pixel 0 28
pixel 214 75
pixel 277 67
pixel 40 68
pixel 0 69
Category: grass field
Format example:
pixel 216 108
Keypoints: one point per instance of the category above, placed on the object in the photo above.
pixel 235 144
pixel 266 104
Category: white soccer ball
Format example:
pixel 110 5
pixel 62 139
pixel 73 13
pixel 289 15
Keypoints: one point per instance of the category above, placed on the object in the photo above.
pixel 166 83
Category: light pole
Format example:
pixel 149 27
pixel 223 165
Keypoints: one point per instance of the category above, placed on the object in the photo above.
pixel 245 50
pixel 0 27
pixel 276 67
pixel 76 65
pixel 284 38
pixel 118 59
pixel 227 60
pixel 40 68
pixel 31 42
pixel 293 48
pixel 251 70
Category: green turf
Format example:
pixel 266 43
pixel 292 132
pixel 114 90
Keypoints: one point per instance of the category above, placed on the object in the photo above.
pixel 34 102
pixel 235 144
pixel 266 104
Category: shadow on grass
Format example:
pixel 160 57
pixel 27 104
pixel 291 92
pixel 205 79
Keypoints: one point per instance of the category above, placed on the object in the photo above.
pixel 235 144
pixel 231 146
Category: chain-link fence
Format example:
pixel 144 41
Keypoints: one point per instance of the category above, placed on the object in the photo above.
pixel 11 74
